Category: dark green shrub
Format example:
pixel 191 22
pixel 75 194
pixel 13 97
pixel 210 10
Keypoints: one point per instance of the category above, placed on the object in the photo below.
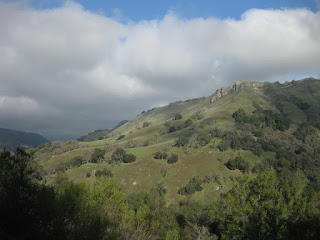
pixel 120 137
pixel 193 186
pixel 97 156
pixel 88 175
pixel 240 116
pixel 204 140
pixel 129 158
pixel 103 173
pixel 188 123
pixel 76 161
pixel 224 145
pixel 177 116
pixel 238 163
pixel 146 124
pixel 160 155
pixel 164 172
pixel 172 129
pixel 306 133
pixel 62 167
pixel 181 142
pixel 118 155
pixel 173 159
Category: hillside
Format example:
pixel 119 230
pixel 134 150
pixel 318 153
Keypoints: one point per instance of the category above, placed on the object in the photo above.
pixel 242 163
pixel 209 135
pixel 11 139
pixel 96 135
pixel 100 133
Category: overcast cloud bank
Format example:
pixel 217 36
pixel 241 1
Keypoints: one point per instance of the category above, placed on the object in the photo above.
pixel 67 71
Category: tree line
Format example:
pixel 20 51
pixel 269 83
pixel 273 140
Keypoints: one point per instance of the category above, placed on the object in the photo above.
pixel 261 207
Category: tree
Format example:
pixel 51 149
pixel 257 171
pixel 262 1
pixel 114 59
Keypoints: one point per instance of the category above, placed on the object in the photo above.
pixel 118 155
pixel 267 208
pixel 25 204
pixel 76 161
pixel 172 129
pixel 188 123
pixel 193 186
pixel 240 116
pixel 97 156
pixel 181 142
pixel 120 137
pixel 177 116
pixel 238 163
pixel 129 158
pixel 173 159
pixel 146 124
pixel 160 155
pixel 103 173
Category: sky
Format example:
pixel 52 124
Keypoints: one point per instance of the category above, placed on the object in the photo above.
pixel 68 68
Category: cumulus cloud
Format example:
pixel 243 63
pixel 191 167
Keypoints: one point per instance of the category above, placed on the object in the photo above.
pixel 67 71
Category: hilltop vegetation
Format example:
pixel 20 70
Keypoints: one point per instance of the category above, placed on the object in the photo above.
pixel 240 164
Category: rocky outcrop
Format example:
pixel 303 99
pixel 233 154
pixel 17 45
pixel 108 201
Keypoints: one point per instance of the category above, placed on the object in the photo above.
pixel 226 90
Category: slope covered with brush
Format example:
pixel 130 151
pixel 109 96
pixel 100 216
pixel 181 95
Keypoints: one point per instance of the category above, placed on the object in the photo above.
pixel 239 130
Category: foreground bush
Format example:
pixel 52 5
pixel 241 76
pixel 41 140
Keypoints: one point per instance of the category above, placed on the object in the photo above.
pixel 160 155
pixel 120 155
pixel 173 159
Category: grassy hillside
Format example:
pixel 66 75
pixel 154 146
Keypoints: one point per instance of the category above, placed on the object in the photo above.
pixel 195 120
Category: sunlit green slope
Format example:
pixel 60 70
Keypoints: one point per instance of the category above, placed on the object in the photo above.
pixel 158 129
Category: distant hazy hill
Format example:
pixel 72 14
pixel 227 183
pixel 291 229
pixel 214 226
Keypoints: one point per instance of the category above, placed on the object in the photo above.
pixel 10 139
pixel 120 124
pixel 96 135
pixel 100 133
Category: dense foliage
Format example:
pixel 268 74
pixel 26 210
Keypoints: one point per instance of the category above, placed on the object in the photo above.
pixel 193 186
pixel 177 116
pixel 274 120
pixel 173 158
pixel 268 206
pixel 181 142
pixel 120 155
pixel 121 137
pixel 103 173
pixel 160 155
pixel 97 156
pixel 238 163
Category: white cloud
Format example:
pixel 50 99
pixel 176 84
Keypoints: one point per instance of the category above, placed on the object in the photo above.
pixel 91 71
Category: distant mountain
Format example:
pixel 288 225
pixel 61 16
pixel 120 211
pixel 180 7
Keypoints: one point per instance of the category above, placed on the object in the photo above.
pixel 96 135
pixel 100 133
pixel 120 124
pixel 11 139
